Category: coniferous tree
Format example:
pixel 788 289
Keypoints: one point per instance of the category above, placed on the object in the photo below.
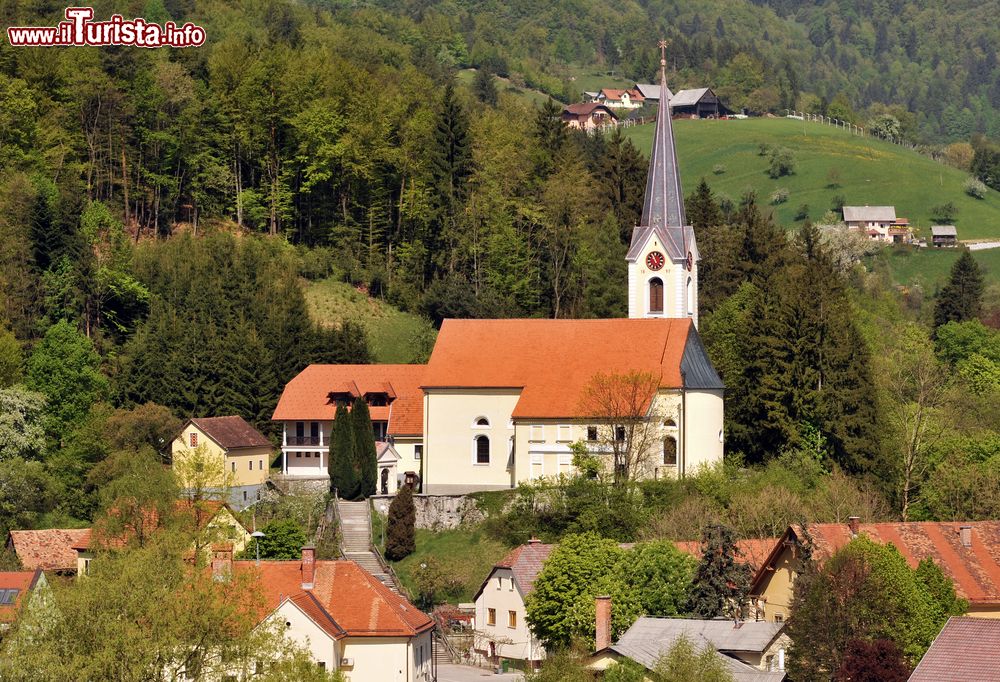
pixel 550 136
pixel 400 534
pixel 451 164
pixel 484 86
pixel 721 582
pixel 621 172
pixel 364 447
pixel 46 241
pixel 702 210
pixel 961 298
pixel 343 475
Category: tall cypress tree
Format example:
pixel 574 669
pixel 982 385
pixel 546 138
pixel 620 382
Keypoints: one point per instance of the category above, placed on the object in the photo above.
pixel 721 582
pixel 961 298
pixel 364 447
pixel 343 477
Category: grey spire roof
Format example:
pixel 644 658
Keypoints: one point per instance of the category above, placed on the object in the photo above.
pixel 663 205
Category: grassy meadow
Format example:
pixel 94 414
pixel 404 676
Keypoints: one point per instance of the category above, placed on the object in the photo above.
pixel 394 336
pixel 871 171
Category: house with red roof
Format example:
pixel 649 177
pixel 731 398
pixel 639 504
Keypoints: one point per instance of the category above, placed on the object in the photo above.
pixel 49 550
pixel 395 402
pixel 347 619
pixel 965 649
pixel 501 402
pixel 621 98
pixel 238 456
pixel 967 552
pixel 17 590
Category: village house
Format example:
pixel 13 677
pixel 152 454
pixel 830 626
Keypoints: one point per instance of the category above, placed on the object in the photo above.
pixel 500 402
pixel 395 402
pixel 944 235
pixel 589 116
pixel 239 453
pixel 751 651
pixel 212 516
pixel 48 550
pixel 965 649
pixel 17 590
pixel 501 625
pixel 968 553
pixel 878 223
pixel 617 98
pixel 688 103
pixel 344 617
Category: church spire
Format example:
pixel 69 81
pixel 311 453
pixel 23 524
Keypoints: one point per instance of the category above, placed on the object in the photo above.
pixel 663 205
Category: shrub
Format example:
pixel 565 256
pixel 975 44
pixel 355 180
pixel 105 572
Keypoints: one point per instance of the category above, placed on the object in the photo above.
pixel 782 162
pixel 780 195
pixel 718 169
pixel 763 149
pixel 837 203
pixel 944 213
pixel 802 212
pixel 400 536
pixel 975 188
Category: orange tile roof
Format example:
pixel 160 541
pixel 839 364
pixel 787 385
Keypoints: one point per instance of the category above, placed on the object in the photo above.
pixel 552 361
pixel 753 551
pixel 212 507
pixel 974 570
pixel 49 550
pixel 346 599
pixel 616 93
pixel 307 396
pixel 23 582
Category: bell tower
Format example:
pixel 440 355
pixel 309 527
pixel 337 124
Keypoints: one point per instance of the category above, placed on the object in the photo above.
pixel 663 256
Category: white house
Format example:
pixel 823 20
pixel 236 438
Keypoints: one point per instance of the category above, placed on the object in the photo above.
pixel 879 223
pixel 345 618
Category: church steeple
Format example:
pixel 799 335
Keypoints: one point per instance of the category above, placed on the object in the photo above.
pixel 664 202
pixel 663 256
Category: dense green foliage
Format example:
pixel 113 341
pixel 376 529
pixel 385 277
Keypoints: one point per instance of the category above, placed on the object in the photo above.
pixel 961 299
pixel 283 541
pixel 865 591
pixel 721 580
pixel 366 462
pixel 344 480
pixel 400 533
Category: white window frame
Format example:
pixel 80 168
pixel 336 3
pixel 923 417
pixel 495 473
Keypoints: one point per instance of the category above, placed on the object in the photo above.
pixel 475 450
pixel 564 433
pixel 481 426
pixel 536 434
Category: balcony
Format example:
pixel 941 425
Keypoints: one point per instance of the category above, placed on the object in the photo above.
pixel 303 440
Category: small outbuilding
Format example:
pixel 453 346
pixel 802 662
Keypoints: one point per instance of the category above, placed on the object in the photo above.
pixel 944 235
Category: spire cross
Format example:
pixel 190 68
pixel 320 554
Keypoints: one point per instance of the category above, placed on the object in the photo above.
pixel 663 52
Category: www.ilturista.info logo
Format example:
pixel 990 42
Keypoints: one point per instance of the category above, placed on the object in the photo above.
pixel 79 29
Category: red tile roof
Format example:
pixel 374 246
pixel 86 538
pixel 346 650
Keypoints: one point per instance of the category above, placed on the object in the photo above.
pixel 616 93
pixel 208 510
pixel 552 361
pixel 975 570
pixel 753 552
pixel 307 396
pixel 966 649
pixel 23 582
pixel 345 601
pixel 49 550
pixel 231 432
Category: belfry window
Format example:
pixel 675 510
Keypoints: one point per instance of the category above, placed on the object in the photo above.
pixel 656 295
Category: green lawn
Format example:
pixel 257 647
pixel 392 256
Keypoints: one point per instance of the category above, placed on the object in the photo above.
pixel 394 336
pixel 587 79
pixel 930 267
pixel 466 555
pixel 871 172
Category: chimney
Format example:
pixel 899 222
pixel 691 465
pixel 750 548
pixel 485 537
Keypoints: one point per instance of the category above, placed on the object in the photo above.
pixel 308 566
pixel 222 562
pixel 602 636
pixel 965 532
pixel 854 523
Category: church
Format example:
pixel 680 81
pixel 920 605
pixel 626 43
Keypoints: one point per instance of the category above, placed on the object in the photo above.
pixel 501 402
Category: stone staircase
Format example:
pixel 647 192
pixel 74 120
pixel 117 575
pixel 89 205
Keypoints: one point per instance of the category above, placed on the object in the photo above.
pixel 356 540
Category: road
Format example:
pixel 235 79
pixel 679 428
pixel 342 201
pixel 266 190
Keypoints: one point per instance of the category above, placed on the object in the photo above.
pixel 464 673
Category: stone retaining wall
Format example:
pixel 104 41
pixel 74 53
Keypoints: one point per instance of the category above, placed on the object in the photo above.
pixel 437 512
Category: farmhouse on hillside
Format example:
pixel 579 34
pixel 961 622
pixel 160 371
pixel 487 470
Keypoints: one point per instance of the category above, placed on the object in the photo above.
pixel 617 98
pixel 968 553
pixel 689 103
pixel 501 401
pixel 239 453
pixel 589 116
pixel 944 235
pixel 878 223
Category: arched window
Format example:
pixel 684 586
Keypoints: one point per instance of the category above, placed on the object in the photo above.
pixel 482 450
pixel 670 451
pixel 670 424
pixel 482 421
pixel 656 295
pixel 690 297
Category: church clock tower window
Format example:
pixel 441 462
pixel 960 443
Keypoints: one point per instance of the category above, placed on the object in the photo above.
pixel 656 295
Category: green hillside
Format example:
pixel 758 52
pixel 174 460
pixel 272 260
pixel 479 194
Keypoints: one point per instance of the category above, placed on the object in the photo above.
pixel 871 172
pixel 929 268
pixel 394 336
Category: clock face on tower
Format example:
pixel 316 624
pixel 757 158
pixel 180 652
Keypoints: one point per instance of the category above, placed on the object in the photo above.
pixel 655 260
